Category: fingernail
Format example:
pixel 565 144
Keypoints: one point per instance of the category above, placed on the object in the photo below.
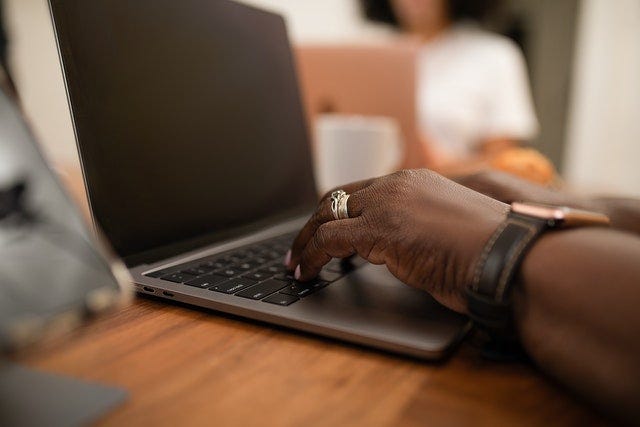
pixel 287 258
pixel 297 274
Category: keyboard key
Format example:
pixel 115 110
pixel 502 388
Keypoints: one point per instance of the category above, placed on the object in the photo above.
pixel 259 261
pixel 206 281
pixel 274 268
pixel 178 277
pixel 285 277
pixel 259 251
pixel 282 248
pixel 302 290
pixel 232 286
pixel 197 271
pixel 298 289
pixel 157 274
pixel 327 276
pixel 215 264
pixel 229 272
pixel 258 275
pixel 242 253
pixel 261 290
pixel 245 266
pixel 281 299
pixel 232 259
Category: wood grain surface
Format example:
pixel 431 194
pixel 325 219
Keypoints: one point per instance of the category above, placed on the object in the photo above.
pixel 188 366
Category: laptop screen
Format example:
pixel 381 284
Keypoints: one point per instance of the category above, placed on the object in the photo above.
pixel 187 116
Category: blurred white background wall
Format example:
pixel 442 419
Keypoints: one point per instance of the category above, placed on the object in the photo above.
pixel 322 20
pixel 34 58
pixel 604 133
pixel 603 150
pixel 34 62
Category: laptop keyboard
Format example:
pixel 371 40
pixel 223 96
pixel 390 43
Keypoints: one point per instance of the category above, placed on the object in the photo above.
pixel 255 272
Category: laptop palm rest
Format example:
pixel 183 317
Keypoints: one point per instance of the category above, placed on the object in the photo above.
pixel 372 307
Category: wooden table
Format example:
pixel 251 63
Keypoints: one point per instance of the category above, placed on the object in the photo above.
pixel 185 366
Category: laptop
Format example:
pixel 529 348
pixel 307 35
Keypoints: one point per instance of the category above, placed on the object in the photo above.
pixel 338 79
pixel 53 273
pixel 198 169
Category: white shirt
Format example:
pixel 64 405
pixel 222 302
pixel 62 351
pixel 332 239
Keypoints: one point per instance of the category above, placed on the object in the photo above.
pixel 473 85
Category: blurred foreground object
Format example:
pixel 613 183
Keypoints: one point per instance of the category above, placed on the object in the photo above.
pixel 33 398
pixel 525 163
pixel 53 272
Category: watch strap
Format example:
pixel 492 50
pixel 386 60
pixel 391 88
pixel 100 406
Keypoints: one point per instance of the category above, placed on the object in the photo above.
pixel 488 297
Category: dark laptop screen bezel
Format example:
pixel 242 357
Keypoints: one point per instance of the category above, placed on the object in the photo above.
pixel 175 247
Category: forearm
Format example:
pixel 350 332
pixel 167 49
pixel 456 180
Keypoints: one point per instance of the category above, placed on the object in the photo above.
pixel 624 213
pixel 578 316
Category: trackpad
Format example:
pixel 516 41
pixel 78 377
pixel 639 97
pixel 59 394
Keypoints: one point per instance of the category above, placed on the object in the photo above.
pixel 373 302
pixel 375 289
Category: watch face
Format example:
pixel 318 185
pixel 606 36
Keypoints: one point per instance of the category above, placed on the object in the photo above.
pixel 563 215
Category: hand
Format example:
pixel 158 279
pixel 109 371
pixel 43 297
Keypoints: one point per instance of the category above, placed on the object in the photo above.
pixel 427 230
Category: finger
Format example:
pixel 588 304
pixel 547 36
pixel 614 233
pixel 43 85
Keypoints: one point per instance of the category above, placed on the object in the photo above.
pixel 350 188
pixel 336 239
pixel 321 216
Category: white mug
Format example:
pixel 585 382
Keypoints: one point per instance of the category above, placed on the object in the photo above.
pixel 352 148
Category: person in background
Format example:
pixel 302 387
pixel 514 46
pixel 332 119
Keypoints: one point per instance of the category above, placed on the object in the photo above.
pixel 474 97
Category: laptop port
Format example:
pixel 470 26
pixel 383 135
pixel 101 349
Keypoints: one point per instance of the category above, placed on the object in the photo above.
pixel 148 289
pixel 167 294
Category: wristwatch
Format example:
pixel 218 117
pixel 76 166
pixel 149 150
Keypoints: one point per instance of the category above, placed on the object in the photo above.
pixel 489 296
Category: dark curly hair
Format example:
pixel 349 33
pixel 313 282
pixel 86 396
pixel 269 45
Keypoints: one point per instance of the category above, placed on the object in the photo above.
pixel 477 10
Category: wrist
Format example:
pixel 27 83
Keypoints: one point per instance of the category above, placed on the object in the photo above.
pixel 480 233
pixel 490 294
pixel 483 230
pixel 459 237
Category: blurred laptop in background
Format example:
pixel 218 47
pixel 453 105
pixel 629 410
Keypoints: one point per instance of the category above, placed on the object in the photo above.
pixel 371 80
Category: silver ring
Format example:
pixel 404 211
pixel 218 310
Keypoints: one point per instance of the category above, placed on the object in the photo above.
pixel 343 210
pixel 336 203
